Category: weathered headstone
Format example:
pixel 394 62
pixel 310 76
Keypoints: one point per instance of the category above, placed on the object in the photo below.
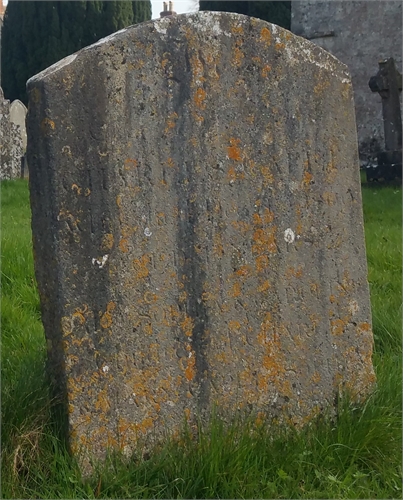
pixel 18 113
pixel 11 143
pixel 388 83
pixel 198 228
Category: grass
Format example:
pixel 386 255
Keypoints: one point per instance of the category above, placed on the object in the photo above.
pixel 359 456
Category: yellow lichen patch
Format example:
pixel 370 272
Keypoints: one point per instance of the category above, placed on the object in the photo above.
pixel 322 85
pixel 264 286
pixel 102 402
pixel 244 271
pixel 264 241
pixel 199 98
pixel 238 56
pixel 234 325
pixel 279 46
pixel 265 36
pixel 234 151
pixel 76 188
pixel 190 371
pixel 140 266
pixel 364 328
pixel 337 326
pixel 106 318
pixel 170 163
pixel 262 263
pixel 265 70
pixel 293 272
pixel 130 163
pixel 187 325
pixel 47 124
pixel 241 226
pixel 107 242
pixel 66 325
pixel 171 122
pixel 150 297
pixel 79 314
pixel 329 198
pixel 218 249
pixel 235 290
pixel 316 378
pixel 307 179
pixel 123 245
pixel 237 30
pixel 268 177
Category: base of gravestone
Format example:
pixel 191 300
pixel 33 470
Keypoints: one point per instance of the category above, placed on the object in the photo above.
pixel 389 167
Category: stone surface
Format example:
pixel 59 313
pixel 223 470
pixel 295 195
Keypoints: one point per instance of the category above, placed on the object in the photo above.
pixel 11 143
pixel 197 228
pixel 359 33
pixel 18 113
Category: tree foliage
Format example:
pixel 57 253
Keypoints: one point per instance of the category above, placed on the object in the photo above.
pixel 37 34
pixel 277 12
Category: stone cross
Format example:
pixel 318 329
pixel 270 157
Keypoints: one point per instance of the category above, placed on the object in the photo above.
pixel 388 83
pixel 198 229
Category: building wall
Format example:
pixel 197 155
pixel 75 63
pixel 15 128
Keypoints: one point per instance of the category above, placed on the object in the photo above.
pixel 359 33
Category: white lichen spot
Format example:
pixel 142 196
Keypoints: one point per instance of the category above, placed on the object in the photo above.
pixel 100 263
pixel 147 231
pixel 170 403
pixel 353 307
pixel 289 235
pixel 105 369
pixel 293 186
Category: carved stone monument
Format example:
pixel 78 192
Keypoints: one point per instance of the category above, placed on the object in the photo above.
pixel 198 231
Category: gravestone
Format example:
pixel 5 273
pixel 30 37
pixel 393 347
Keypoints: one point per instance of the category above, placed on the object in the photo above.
pixel 18 113
pixel 11 143
pixel 388 83
pixel 197 228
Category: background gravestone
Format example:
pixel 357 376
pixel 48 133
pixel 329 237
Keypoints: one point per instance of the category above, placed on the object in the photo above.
pixel 18 113
pixel 198 229
pixel 11 143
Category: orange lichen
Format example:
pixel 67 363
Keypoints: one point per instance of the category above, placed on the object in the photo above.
pixel 199 98
pixel 238 56
pixel 265 70
pixel 268 177
pixel 123 245
pixel 264 241
pixel 187 325
pixel 262 263
pixel 234 152
pixel 234 325
pixel 107 241
pixel 235 290
pixel 130 163
pixel 264 286
pixel 190 371
pixel 140 266
pixel 106 318
pixel 307 180
pixel 265 36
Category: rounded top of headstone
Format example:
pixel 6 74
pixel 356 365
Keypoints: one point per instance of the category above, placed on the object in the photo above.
pixel 17 104
pixel 215 28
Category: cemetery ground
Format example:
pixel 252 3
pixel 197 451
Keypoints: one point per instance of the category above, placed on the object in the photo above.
pixel 356 456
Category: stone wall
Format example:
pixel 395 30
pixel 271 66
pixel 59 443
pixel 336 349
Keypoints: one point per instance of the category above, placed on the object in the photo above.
pixel 359 33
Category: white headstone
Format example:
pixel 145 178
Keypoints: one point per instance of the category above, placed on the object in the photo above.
pixel 18 112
